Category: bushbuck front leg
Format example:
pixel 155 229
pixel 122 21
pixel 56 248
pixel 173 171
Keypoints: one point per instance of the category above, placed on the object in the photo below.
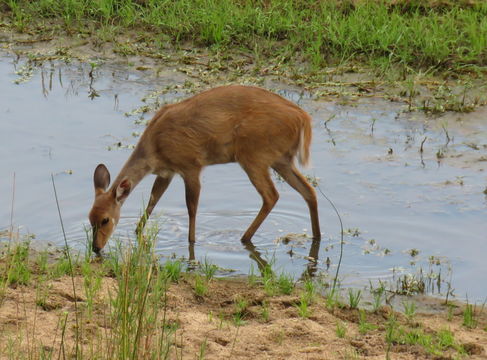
pixel 192 187
pixel 159 187
pixel 261 179
pixel 294 178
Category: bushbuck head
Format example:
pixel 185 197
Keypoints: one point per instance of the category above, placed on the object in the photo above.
pixel 105 213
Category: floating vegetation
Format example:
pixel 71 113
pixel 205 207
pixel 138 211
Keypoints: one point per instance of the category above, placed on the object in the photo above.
pixel 24 73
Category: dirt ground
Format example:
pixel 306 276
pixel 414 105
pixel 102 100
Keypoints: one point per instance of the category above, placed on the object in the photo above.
pixel 206 322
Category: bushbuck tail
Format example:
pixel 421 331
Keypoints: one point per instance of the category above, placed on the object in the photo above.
pixel 248 125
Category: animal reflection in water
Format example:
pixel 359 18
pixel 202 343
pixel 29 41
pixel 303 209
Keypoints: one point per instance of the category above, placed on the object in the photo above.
pixel 262 264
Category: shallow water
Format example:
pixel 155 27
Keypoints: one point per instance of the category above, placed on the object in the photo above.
pixel 391 197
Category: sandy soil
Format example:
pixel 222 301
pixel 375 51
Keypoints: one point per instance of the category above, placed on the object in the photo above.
pixel 28 327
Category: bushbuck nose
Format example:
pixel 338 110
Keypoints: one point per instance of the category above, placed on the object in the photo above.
pixel 96 249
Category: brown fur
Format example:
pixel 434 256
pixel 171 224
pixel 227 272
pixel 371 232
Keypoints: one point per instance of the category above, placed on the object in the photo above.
pixel 248 125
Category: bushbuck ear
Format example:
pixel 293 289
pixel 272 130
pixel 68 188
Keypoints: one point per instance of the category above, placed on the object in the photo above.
pixel 101 178
pixel 123 190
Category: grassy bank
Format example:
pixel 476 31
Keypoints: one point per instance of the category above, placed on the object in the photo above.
pixel 132 306
pixel 427 35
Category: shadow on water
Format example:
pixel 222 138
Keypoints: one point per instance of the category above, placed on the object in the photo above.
pixel 409 187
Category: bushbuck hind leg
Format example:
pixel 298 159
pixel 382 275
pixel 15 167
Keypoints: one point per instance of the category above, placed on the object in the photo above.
pixel 192 187
pixel 159 187
pixel 261 180
pixel 293 177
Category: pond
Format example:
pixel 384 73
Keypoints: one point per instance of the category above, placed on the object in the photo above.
pixel 403 210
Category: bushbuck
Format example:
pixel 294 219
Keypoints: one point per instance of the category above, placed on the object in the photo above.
pixel 248 125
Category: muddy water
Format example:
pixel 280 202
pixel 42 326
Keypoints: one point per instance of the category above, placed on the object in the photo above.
pixel 64 119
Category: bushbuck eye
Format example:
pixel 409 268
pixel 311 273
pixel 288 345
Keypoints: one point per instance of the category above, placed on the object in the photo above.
pixel 105 221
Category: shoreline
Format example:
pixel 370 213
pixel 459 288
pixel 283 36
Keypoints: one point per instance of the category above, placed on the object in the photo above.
pixel 79 309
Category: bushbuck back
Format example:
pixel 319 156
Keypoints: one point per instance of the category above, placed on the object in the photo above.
pixel 248 125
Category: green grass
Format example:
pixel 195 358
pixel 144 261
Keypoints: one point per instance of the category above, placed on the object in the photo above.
pixel 340 330
pixel 379 33
pixel 265 311
pixel 409 310
pixel 354 298
pixel 203 347
pixel 303 306
pixel 18 272
pixel 282 284
pixel 363 326
pixel 310 289
pixel 378 296
pixel 91 283
pixel 285 284
pixel 240 310
pixel 434 343
pixel 200 286
pixel 208 269
pixel 469 316
pixel 142 287
pixel 173 270
pixel 332 299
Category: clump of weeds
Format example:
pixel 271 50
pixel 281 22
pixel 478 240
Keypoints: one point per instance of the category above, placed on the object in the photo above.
pixel 285 284
pixel 17 265
pixel 363 326
pixel 200 286
pixel 469 316
pixel 354 298
pixel 340 330
pixel 173 270
pixel 265 311
pixel 303 306
pixel 240 309
pixel 409 310
pixel 273 285
pixel 208 269
pixel 378 296
pixel 332 299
